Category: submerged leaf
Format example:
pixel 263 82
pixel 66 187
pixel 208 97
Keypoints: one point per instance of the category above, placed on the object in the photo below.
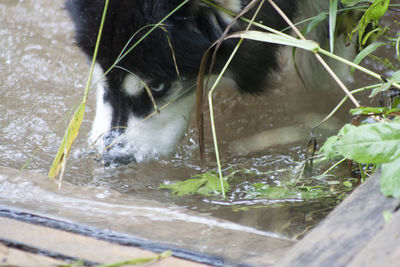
pixel 188 187
pixel 278 192
pixel 204 184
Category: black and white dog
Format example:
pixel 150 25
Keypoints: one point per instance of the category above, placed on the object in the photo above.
pixel 168 62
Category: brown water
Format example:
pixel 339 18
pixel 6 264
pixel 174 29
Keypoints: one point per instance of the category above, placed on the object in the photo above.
pixel 42 77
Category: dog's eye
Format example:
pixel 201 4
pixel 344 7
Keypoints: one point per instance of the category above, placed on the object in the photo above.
pixel 159 87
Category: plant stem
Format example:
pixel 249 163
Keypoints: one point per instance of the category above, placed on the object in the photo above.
pixel 96 50
pixel 334 166
pixel 343 101
pixel 358 67
pixel 212 120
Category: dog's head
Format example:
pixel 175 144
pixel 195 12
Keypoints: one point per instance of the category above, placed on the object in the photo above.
pixel 136 70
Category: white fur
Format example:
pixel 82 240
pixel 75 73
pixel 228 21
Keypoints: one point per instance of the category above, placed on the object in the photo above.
pixel 158 135
pixel 144 138
pixel 132 85
pixel 102 120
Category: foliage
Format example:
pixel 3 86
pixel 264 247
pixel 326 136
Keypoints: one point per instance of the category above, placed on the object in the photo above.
pixel 294 189
pixel 377 144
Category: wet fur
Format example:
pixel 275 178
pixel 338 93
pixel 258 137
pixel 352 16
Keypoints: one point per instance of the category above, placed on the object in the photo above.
pixel 122 102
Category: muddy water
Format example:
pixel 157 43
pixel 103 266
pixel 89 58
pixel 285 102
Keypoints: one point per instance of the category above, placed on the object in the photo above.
pixel 42 75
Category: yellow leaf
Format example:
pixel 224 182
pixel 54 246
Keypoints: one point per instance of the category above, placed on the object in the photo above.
pixel 69 137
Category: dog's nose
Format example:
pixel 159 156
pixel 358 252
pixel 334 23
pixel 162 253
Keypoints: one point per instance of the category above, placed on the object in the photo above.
pixel 115 153
pixel 112 160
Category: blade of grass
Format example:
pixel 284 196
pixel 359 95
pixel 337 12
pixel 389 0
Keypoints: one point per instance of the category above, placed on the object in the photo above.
pixel 210 96
pixel 72 131
pixel 332 22
pixel 365 52
pixel 159 257
pixel 201 96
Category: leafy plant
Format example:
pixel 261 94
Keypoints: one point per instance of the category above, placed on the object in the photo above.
pixel 373 145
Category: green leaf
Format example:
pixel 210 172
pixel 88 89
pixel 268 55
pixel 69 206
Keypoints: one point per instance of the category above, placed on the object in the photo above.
pixel 386 86
pixel 365 52
pixel 277 39
pixel 395 76
pixel 314 23
pixel 373 35
pixel 368 111
pixel 329 149
pixel 390 179
pixel 371 143
pixel 375 11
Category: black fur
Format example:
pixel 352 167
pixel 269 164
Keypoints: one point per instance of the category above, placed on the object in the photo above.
pixel 191 31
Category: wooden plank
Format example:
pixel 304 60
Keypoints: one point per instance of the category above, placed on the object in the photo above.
pixel 383 249
pixel 193 235
pixel 15 257
pixel 74 245
pixel 349 233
